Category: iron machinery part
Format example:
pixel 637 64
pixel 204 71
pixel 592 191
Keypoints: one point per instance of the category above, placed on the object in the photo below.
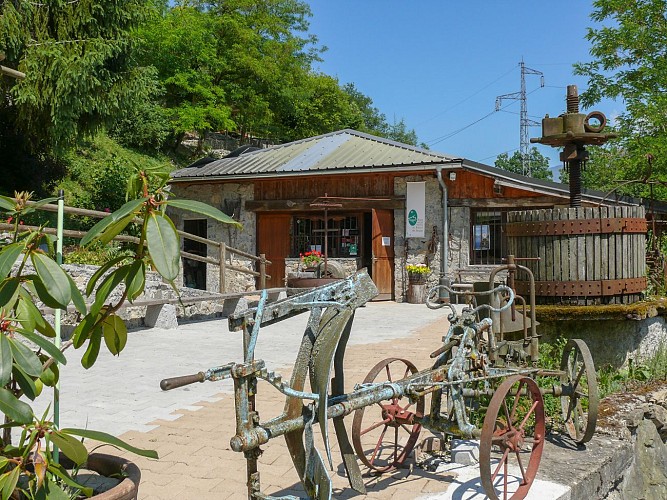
pixel 595 115
pixel 384 442
pixel 334 270
pixel 431 303
pixel 581 399
pixel 512 439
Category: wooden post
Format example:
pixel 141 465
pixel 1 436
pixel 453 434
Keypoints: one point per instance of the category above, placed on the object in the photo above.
pixel 223 267
pixel 262 271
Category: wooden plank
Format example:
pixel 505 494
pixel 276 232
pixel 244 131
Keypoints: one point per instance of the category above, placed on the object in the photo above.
pixel 530 247
pixel 589 251
pixel 597 249
pixel 618 262
pixel 549 242
pixel 511 241
pixel 604 249
pixel 505 202
pixel 641 246
pixel 564 273
pixel 580 252
pixel 588 243
pixel 541 249
pixel 557 264
pixel 572 250
pixel 394 203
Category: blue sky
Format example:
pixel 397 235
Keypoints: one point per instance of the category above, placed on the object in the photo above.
pixel 440 64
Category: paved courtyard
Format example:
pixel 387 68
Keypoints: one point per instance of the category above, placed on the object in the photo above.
pixel 191 427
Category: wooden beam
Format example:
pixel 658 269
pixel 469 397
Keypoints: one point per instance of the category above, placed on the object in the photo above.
pixel 518 203
pixel 393 203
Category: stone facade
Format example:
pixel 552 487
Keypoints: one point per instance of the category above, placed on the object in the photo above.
pixel 228 197
pixel 427 250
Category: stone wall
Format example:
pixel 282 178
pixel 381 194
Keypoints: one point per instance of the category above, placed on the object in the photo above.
pixel 427 250
pixel 228 197
pixel 611 342
pixel 350 265
pixel 155 288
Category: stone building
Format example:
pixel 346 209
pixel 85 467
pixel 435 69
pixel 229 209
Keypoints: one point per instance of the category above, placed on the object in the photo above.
pixel 359 184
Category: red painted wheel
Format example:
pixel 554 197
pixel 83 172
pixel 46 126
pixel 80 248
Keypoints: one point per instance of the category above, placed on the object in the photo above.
pixel 384 439
pixel 512 439
pixel 580 407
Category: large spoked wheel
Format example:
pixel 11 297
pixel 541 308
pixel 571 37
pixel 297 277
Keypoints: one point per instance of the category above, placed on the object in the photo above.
pixel 512 439
pixel 384 439
pixel 580 405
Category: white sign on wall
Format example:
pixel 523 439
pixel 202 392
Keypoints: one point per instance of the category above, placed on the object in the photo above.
pixel 415 209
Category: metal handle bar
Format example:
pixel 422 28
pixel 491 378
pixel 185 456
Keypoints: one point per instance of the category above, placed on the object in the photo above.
pixel 212 374
pixel 175 382
pixel 433 294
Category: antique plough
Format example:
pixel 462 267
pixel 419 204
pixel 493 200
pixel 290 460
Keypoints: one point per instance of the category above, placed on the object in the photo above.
pixel 477 366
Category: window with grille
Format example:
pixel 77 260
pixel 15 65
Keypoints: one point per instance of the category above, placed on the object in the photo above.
pixel 343 235
pixel 488 243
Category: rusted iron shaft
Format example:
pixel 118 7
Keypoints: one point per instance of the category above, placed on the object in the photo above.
pixel 249 438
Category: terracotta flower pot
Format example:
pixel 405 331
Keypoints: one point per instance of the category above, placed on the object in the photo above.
pixel 309 282
pixel 108 466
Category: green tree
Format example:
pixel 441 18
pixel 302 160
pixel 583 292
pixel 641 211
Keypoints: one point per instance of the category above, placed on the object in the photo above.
pixel 629 62
pixel 537 164
pixel 375 122
pixel 78 60
pixel 323 107
pixel 182 45
pixel 236 64
pixel 399 132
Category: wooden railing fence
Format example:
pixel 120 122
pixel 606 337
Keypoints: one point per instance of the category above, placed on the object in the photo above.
pixel 221 249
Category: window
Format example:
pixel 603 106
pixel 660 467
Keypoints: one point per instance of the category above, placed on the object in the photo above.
pixel 343 235
pixel 488 243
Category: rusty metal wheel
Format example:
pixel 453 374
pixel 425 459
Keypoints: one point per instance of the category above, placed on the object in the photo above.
pixel 580 406
pixel 384 439
pixel 512 439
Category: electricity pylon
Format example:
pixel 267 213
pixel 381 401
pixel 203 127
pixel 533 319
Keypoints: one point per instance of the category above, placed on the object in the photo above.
pixel 524 121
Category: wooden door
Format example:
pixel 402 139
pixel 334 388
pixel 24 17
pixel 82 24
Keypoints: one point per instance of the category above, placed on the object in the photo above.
pixel 273 240
pixel 382 246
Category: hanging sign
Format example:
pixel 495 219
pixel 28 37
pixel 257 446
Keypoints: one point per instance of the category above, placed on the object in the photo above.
pixel 415 209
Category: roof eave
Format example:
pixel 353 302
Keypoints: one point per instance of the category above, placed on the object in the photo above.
pixel 454 163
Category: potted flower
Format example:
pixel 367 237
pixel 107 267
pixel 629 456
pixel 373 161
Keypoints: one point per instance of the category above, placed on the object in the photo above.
pixel 417 273
pixel 311 260
pixel 30 276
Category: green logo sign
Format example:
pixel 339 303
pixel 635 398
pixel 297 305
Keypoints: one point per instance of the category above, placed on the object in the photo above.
pixel 412 217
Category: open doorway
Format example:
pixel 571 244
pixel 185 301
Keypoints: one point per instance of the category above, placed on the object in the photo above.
pixel 194 272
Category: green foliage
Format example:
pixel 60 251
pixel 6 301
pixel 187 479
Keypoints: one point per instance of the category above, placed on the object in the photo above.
pixel 550 359
pixel 628 49
pixel 98 172
pixel 654 368
pixel 77 57
pixel 94 255
pixel 28 358
pixel 537 164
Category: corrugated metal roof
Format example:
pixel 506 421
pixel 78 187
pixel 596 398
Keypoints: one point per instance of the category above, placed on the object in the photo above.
pixel 345 149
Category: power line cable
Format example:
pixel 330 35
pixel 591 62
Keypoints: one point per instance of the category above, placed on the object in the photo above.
pixel 498 154
pixel 455 132
pixel 466 99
